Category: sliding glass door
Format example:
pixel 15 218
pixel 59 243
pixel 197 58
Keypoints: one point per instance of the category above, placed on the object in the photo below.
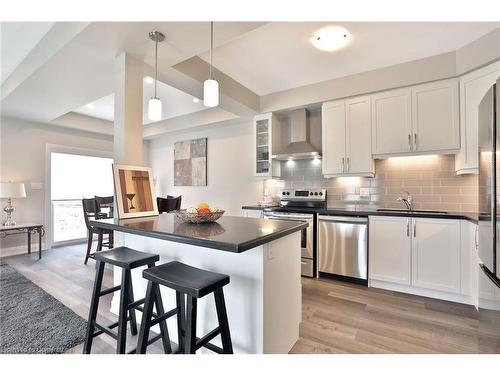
pixel 74 177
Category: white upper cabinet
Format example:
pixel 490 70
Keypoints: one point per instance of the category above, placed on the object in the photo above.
pixel 346 126
pixel 266 141
pixel 435 118
pixel 436 254
pixel 421 119
pixel 333 137
pixel 359 160
pixel 391 122
pixel 473 87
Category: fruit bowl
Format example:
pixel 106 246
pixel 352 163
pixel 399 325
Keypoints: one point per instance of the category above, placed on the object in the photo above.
pixel 199 218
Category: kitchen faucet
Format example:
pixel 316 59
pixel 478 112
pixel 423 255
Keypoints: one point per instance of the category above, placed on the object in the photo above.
pixel 406 200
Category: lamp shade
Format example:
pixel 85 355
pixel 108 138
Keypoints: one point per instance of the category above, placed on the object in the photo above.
pixel 211 93
pixel 154 109
pixel 12 190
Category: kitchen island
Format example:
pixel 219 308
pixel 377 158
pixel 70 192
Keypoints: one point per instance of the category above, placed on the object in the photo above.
pixel 262 258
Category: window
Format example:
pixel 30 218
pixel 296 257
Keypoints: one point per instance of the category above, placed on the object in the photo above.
pixel 74 177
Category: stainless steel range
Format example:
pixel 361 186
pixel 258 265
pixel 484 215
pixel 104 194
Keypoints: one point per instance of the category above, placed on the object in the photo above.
pixel 302 205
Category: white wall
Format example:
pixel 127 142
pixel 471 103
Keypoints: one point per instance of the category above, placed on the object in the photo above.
pixel 22 158
pixel 230 179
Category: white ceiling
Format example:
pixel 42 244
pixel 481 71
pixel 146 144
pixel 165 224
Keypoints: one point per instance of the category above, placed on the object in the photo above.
pixel 82 71
pixel 264 57
pixel 279 55
pixel 174 103
pixel 17 40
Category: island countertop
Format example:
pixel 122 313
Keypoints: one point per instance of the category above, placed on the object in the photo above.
pixel 229 233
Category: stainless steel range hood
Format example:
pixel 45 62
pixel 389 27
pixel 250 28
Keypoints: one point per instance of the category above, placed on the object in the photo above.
pixel 299 146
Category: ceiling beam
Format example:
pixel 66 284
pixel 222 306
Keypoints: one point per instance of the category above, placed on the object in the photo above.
pixel 56 38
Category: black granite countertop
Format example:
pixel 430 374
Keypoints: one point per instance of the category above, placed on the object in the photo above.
pixel 229 233
pixel 365 210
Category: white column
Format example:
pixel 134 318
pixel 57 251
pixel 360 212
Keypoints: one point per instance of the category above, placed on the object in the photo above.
pixel 128 126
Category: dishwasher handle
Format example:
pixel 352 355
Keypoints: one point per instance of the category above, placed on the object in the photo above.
pixel 344 219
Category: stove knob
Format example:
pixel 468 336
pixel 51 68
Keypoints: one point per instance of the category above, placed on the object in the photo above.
pixel 316 193
pixel 283 193
pixel 287 193
pixel 310 193
pixel 320 193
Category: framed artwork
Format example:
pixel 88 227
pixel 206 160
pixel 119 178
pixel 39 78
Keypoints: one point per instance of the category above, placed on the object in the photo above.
pixel 190 162
pixel 134 189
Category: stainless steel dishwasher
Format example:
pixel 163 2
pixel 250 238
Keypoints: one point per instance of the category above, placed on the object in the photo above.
pixel 343 247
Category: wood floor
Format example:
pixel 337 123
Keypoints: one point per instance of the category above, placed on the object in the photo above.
pixel 337 317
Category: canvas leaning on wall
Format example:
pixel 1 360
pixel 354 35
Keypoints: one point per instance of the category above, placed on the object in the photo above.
pixel 190 162
pixel 134 189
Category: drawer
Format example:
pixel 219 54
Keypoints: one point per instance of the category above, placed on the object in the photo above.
pixel 307 267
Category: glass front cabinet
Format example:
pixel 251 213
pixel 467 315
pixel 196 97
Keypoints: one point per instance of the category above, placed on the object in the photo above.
pixel 267 142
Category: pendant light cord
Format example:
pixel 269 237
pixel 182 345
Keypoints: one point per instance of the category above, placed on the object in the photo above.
pixel 211 46
pixel 156 60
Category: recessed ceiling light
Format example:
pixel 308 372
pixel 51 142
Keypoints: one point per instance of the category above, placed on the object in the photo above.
pixel 89 106
pixel 196 100
pixel 331 38
pixel 149 79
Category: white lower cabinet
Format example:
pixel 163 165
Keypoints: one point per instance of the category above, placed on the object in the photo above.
pixel 436 254
pixel 390 249
pixel 421 256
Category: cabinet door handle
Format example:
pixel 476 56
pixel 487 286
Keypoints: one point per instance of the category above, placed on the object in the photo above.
pixel 414 228
pixel 409 141
pixel 343 165
pixel 348 164
pixel 407 227
pixel 476 239
pixel 415 140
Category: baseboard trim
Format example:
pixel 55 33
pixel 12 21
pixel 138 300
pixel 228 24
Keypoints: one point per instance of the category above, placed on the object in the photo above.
pixel 446 296
pixel 18 250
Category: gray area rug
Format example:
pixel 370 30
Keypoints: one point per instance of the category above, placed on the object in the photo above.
pixel 32 321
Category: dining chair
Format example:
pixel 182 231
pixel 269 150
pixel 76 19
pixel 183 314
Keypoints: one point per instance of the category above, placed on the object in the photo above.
pixel 169 203
pixel 106 202
pixel 90 211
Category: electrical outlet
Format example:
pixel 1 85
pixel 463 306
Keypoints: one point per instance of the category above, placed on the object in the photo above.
pixel 364 192
pixel 37 186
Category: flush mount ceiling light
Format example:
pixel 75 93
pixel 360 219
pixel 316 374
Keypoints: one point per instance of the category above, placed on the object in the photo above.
pixel 154 105
pixel 331 38
pixel 196 100
pixel 149 79
pixel 211 86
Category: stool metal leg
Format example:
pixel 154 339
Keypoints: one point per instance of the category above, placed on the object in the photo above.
pixel 190 324
pixel 165 337
pixel 220 305
pixel 147 314
pixel 181 316
pixel 123 312
pixel 94 304
pixel 133 319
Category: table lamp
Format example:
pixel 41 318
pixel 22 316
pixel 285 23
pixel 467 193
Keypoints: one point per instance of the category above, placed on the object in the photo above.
pixel 11 190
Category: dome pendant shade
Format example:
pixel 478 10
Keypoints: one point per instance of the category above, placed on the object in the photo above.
pixel 154 109
pixel 211 93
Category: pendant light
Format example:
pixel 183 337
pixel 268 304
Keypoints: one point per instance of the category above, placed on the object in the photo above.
pixel 154 104
pixel 211 86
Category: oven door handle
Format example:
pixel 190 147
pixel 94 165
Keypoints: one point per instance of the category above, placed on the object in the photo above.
pixel 284 217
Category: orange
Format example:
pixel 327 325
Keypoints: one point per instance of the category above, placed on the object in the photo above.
pixel 202 205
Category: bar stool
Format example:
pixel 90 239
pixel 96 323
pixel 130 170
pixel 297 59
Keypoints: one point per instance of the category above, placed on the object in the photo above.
pixel 192 283
pixel 127 259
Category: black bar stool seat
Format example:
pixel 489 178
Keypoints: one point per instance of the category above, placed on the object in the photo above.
pixel 127 259
pixel 189 283
pixel 186 279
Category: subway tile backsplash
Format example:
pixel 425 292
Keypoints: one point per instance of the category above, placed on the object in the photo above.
pixel 431 180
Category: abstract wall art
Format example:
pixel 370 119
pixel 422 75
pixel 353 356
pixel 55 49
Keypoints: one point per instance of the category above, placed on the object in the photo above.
pixel 190 163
